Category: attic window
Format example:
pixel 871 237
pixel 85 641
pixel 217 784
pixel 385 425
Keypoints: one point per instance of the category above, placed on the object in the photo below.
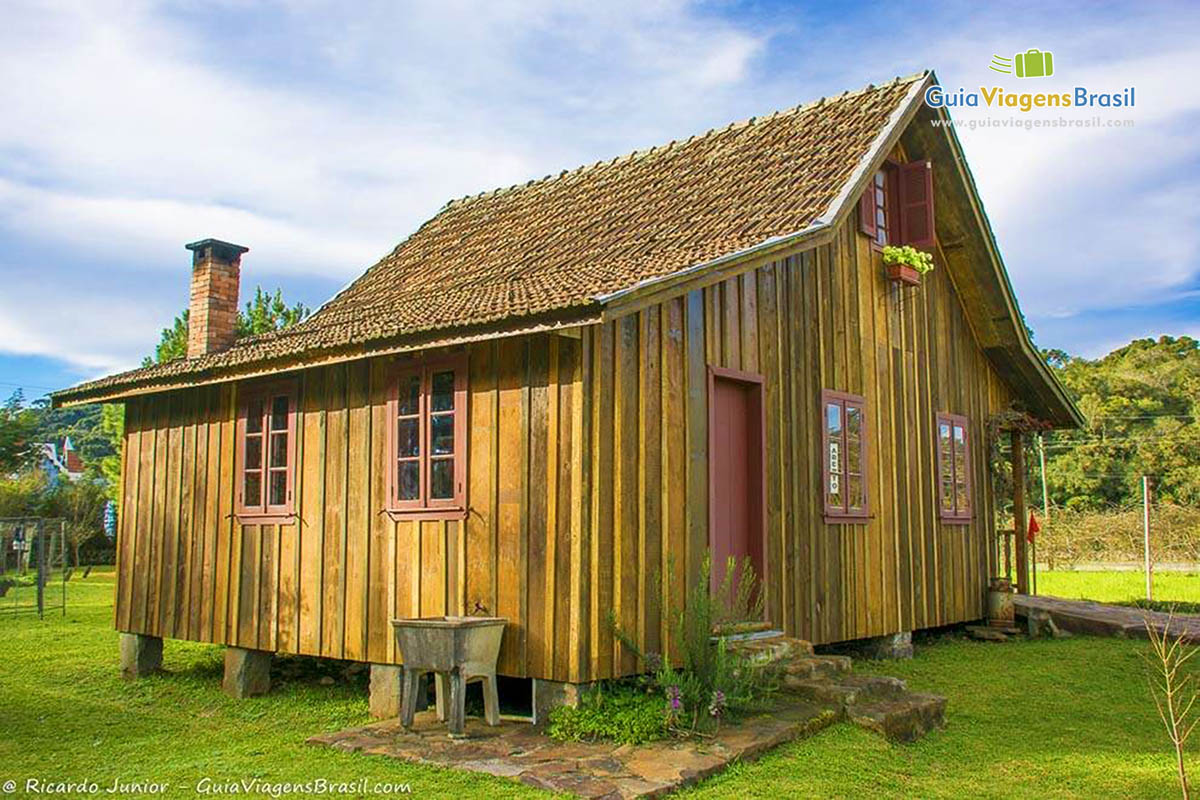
pixel 266 452
pixel 427 429
pixel 880 189
pixel 897 206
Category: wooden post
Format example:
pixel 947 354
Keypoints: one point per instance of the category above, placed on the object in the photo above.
pixel 1019 514
pixel 41 569
pixel 1146 535
pixel 1008 537
pixel 1041 442
pixel 1045 491
pixel 1033 566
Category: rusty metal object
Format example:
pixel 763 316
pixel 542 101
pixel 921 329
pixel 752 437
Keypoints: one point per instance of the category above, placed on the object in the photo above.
pixel 1001 613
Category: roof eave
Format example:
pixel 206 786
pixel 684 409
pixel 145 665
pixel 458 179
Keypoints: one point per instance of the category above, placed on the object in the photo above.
pixel 566 318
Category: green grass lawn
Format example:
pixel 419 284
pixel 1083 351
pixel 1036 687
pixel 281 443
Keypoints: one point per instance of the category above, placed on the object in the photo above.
pixel 1119 587
pixel 1069 718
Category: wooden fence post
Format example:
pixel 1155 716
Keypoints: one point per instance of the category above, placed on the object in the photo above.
pixel 1019 519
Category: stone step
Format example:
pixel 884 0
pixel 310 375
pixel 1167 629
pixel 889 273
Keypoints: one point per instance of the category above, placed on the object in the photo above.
pixel 740 628
pixel 876 702
pixel 772 650
pixel 820 691
pixel 988 633
pixel 845 690
pixel 875 687
pixel 902 719
pixel 810 667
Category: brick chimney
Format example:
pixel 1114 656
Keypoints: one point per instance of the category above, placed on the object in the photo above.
pixel 212 312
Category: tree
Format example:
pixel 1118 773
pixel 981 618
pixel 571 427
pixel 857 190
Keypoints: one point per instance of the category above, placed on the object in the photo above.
pixel 112 426
pixel 83 425
pixel 81 505
pixel 265 313
pixel 21 495
pixel 1141 402
pixel 18 426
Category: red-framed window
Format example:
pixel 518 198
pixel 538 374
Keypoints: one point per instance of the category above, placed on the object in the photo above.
pixel 266 451
pixel 883 191
pixel 897 206
pixel 954 467
pixel 427 439
pixel 844 460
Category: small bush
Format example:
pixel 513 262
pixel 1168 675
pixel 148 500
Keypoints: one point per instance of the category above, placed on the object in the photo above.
pixel 620 712
pixel 712 680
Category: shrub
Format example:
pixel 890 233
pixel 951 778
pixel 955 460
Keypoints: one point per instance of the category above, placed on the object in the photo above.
pixel 621 712
pixel 711 679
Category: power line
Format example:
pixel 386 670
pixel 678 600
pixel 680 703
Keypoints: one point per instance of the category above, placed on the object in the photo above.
pixel 1118 443
pixel 1143 416
pixel 27 386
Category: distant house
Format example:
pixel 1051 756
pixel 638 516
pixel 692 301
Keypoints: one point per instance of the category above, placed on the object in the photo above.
pixel 550 393
pixel 58 462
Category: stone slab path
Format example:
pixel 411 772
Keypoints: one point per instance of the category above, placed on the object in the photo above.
pixel 816 692
pixel 519 751
pixel 1101 619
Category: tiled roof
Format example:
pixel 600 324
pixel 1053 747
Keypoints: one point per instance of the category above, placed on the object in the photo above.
pixel 553 247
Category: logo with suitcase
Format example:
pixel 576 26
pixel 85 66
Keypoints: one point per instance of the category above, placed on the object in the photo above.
pixel 1033 63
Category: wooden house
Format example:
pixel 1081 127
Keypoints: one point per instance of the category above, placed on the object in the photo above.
pixel 550 392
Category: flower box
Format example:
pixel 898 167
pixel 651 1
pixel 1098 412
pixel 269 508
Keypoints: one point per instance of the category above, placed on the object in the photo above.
pixel 903 273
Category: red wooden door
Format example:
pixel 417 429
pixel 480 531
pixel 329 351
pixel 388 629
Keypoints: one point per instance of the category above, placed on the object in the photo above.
pixel 735 470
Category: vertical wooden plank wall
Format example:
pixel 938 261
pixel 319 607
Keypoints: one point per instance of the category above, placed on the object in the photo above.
pixel 826 318
pixel 329 583
pixel 587 483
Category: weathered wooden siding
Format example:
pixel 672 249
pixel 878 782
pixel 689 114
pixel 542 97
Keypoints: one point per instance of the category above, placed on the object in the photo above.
pixel 587 482
pixel 826 318
pixel 328 584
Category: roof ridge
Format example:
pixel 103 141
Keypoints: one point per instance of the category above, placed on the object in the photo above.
pixel 676 143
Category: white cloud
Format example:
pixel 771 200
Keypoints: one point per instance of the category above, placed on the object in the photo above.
pixel 112 227
pixel 132 128
pixel 1090 218
pixel 319 134
pixel 104 333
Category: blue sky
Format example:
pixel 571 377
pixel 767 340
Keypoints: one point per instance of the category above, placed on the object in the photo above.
pixel 320 134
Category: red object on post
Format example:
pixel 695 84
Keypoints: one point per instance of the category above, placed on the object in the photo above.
pixel 1033 527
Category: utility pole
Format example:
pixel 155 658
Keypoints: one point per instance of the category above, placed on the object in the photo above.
pixel 1146 535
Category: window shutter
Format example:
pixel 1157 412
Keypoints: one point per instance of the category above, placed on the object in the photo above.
pixel 866 210
pixel 916 205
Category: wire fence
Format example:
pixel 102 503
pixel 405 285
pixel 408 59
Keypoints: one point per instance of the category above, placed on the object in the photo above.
pixel 1115 535
pixel 33 558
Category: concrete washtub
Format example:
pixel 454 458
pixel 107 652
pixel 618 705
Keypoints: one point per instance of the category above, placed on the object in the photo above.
pixel 457 650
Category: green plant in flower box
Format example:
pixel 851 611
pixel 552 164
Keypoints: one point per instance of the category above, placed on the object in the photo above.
pixel 908 256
